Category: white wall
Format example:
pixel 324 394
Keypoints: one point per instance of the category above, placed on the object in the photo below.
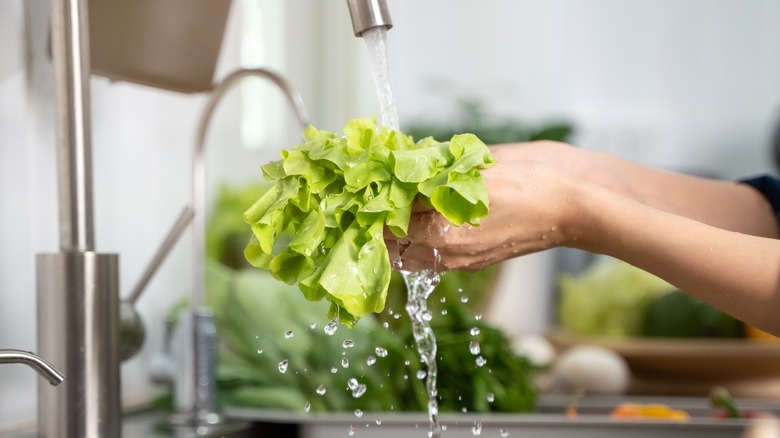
pixel 690 83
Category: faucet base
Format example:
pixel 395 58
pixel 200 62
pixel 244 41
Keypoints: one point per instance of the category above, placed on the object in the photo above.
pixel 78 313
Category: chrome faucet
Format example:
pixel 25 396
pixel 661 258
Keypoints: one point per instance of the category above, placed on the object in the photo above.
pixel 45 369
pixel 194 343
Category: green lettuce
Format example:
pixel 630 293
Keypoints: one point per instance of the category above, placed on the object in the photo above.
pixel 321 224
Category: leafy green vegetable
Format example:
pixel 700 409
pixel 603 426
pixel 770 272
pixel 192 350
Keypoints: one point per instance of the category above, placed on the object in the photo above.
pixel 252 329
pixel 609 299
pixel 680 315
pixel 226 234
pixel 335 194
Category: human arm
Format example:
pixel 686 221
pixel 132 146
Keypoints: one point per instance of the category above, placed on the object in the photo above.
pixel 723 204
pixel 535 206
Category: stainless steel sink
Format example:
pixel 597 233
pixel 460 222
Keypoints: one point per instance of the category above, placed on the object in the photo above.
pixel 592 420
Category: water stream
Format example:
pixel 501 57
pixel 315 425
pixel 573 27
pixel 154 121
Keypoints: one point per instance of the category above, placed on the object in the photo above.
pixel 419 285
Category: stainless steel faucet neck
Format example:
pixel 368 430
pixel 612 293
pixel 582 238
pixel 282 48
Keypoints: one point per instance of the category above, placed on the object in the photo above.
pixel 195 386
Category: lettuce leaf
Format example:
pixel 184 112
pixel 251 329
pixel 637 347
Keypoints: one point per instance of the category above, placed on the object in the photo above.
pixel 335 195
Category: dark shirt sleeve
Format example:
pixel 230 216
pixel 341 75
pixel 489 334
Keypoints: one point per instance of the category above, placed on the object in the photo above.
pixel 769 187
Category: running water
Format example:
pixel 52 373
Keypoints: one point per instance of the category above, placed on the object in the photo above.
pixel 419 285
pixel 376 43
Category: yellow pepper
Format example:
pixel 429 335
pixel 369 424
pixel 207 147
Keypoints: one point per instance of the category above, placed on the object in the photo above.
pixel 637 411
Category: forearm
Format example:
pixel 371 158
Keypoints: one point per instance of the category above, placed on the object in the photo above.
pixel 737 273
pixel 723 204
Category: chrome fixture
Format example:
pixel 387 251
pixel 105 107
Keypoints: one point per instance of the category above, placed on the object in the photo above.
pixel 367 14
pixel 195 343
pixel 78 295
pixel 48 372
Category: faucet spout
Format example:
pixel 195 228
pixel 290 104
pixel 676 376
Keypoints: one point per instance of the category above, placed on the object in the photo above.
pixel 46 370
pixel 368 14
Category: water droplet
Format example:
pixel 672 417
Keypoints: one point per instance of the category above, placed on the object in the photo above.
pixel 474 331
pixel 359 391
pixel 504 433
pixel 421 374
pixel 407 363
pixel 477 429
pixel 331 327
pixel 397 316
pixel 358 413
pixel 378 422
pixel 371 360
pixel 464 299
pixel 478 316
pixel 307 407
pixel 352 431
pixel 426 315
pixel 288 334
pixel 474 348
pixel 259 350
pixel 386 324
pixel 443 312
pixel 481 361
pixel 313 326
pixel 321 390
pixel 491 397
pixel 344 362
pixel 283 366
pixel 349 343
pixel 443 300
pixel 381 352
pixel 352 384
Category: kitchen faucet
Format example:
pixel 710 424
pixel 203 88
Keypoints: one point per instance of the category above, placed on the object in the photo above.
pixel 195 341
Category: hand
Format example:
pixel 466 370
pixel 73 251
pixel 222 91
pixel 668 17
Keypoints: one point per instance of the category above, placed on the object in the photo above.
pixel 528 211
pixel 598 168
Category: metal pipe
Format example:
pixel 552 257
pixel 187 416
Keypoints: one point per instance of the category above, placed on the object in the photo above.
pixel 70 50
pixel 45 369
pixel 368 14
pixel 77 288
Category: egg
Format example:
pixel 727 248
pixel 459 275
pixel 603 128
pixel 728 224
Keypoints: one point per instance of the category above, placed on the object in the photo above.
pixel 537 349
pixel 591 369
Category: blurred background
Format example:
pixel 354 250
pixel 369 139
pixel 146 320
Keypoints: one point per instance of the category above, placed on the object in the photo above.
pixel 687 85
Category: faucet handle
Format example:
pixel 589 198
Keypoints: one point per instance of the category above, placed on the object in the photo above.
pixel 45 369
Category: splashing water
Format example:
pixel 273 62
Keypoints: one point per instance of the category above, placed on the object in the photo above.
pixel 419 286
